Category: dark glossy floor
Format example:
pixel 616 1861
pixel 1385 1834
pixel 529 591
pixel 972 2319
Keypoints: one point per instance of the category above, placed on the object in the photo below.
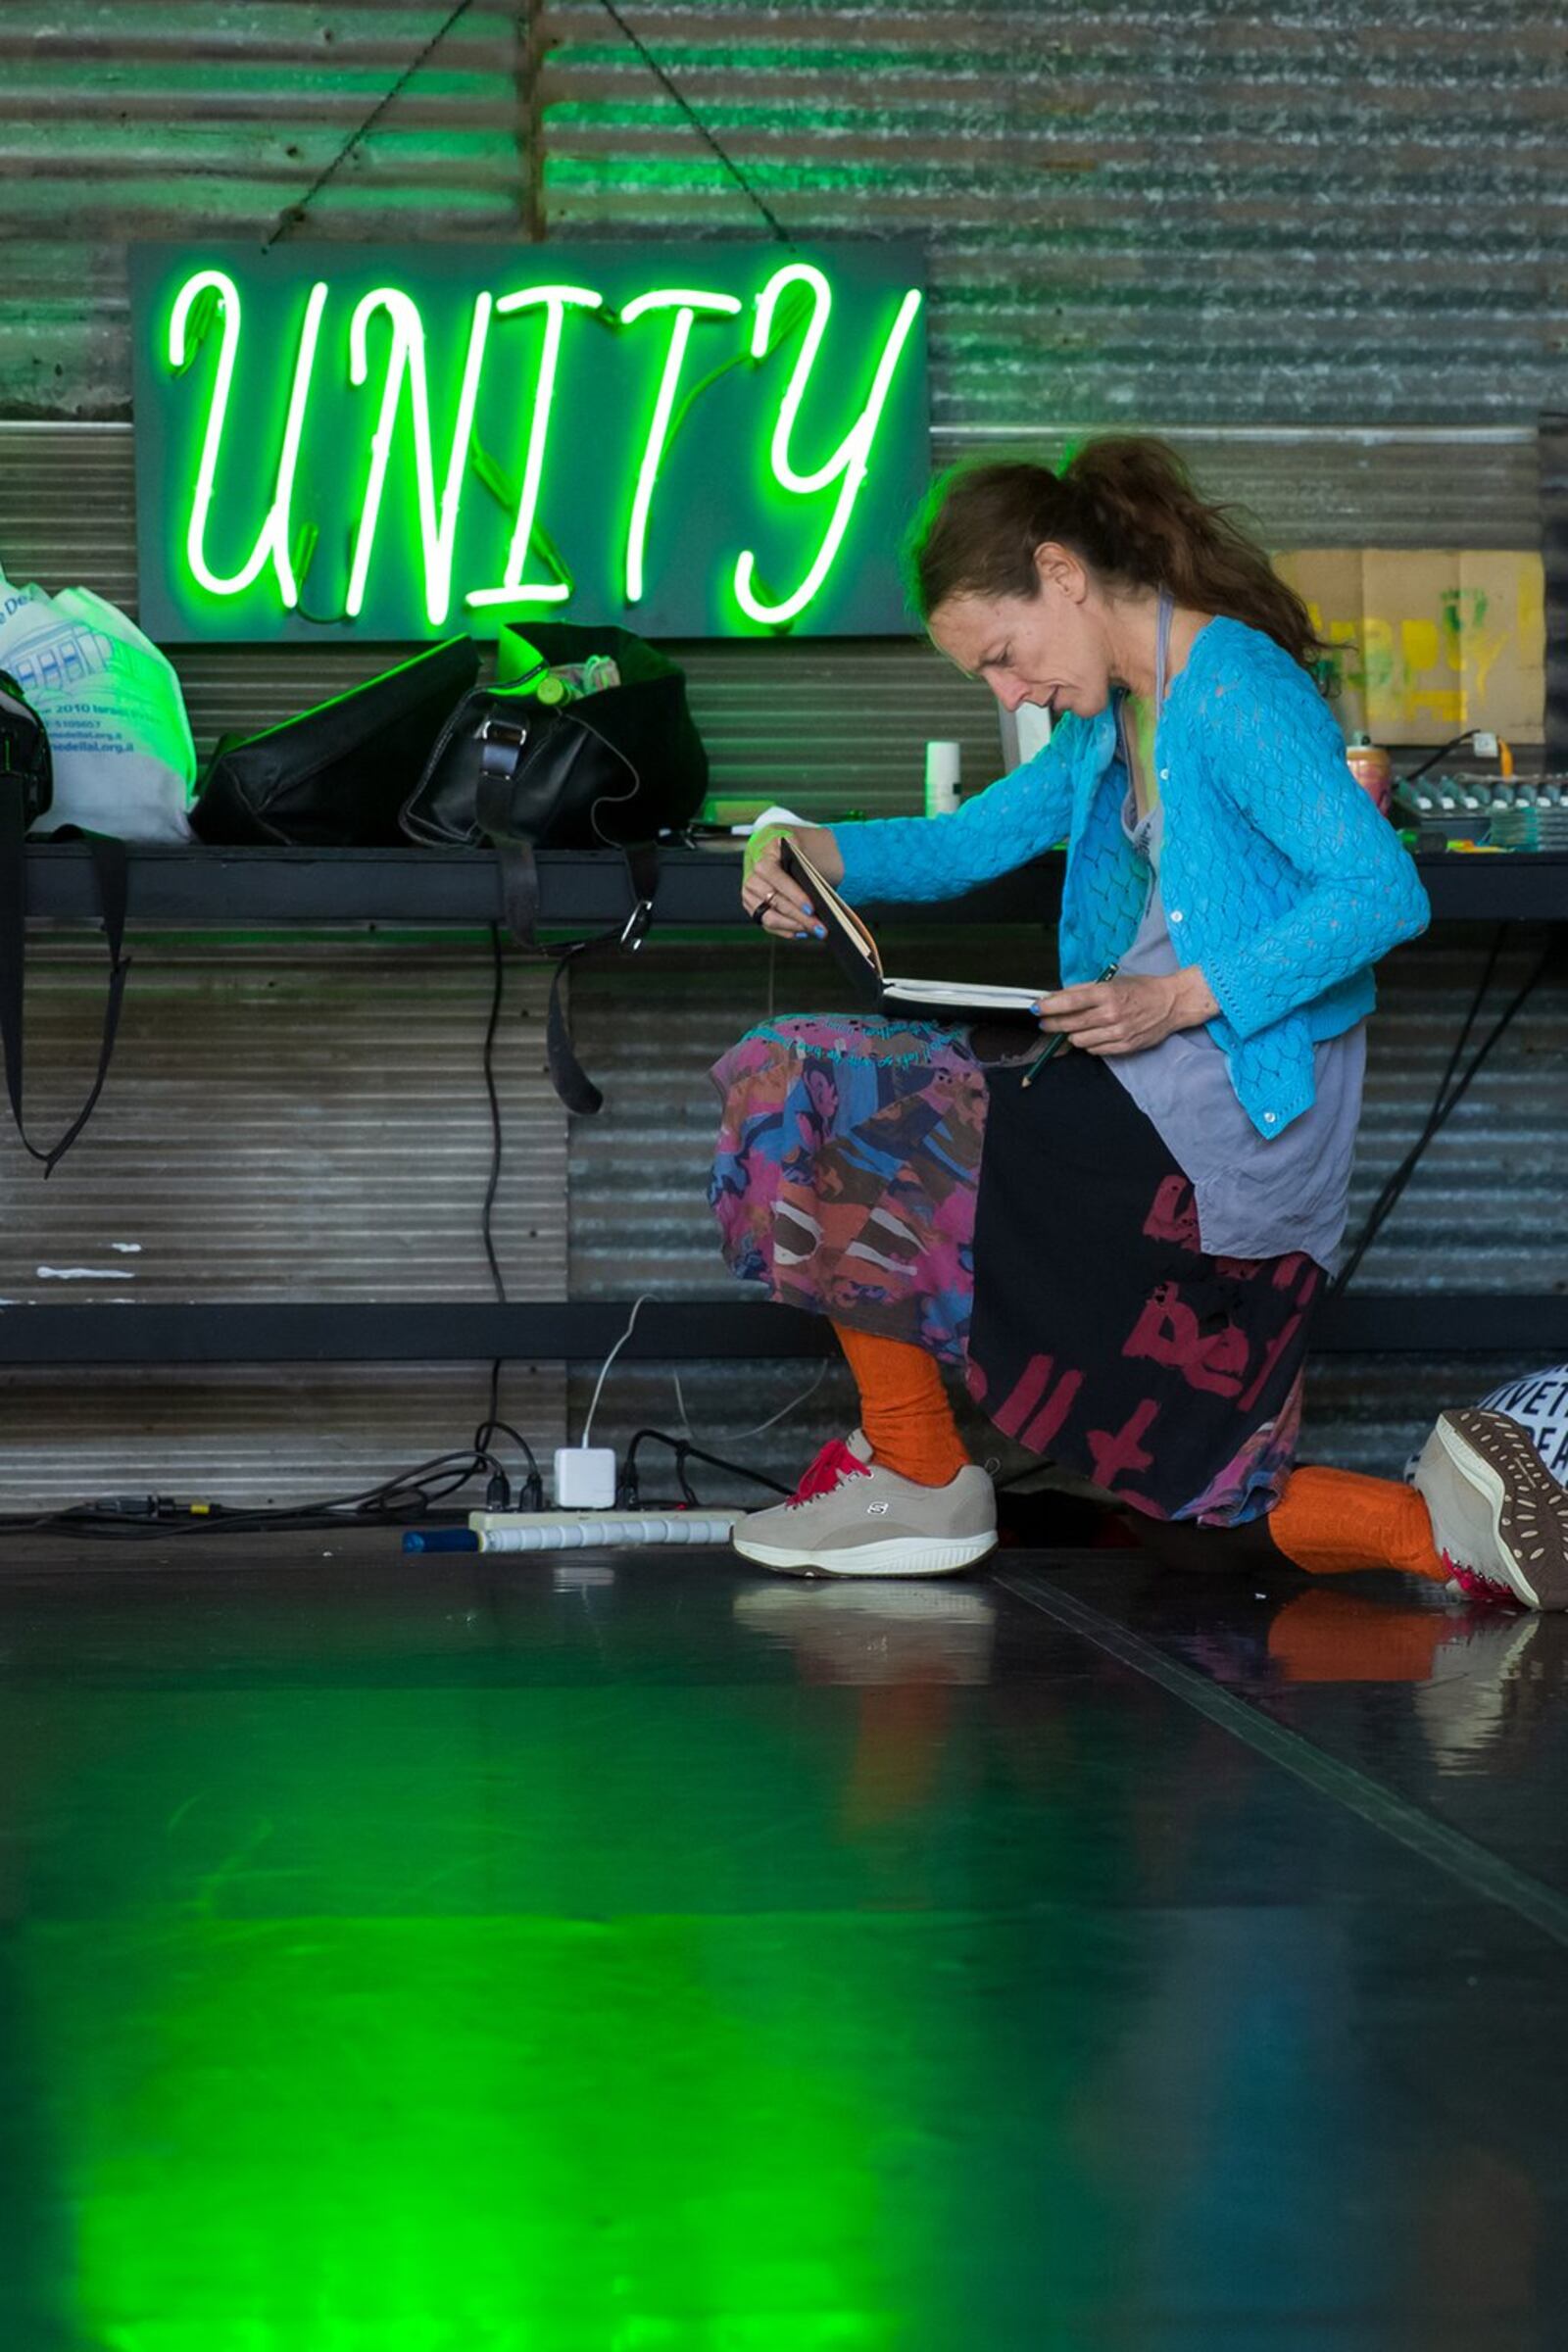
pixel 451 1955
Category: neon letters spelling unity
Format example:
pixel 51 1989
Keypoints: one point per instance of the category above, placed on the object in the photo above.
pixel 389 422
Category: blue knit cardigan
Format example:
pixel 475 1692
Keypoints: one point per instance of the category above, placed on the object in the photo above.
pixel 1281 880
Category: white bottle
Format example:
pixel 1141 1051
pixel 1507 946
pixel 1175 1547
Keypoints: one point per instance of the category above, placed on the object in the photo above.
pixel 944 765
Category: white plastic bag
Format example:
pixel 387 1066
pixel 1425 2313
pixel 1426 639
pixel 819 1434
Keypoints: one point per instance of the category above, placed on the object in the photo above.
pixel 120 739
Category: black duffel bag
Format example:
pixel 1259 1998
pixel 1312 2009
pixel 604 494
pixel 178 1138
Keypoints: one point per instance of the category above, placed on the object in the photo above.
pixel 609 770
pixel 336 777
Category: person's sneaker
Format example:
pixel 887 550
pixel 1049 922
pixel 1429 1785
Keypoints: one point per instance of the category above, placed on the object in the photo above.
pixel 1499 1516
pixel 851 1516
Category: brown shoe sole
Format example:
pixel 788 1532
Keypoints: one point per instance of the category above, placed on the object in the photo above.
pixel 1533 1509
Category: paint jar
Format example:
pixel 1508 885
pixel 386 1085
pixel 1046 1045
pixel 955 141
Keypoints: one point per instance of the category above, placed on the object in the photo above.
pixel 944 765
pixel 569 681
pixel 1372 770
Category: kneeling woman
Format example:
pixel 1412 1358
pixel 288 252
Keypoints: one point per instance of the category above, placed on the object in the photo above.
pixel 1124 1254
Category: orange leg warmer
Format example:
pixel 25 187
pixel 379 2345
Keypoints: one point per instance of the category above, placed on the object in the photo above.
pixel 1330 1521
pixel 905 1411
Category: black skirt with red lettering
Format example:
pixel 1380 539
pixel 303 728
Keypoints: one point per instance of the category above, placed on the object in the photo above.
pixel 1102 1336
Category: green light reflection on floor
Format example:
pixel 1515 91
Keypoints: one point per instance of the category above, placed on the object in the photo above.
pixel 324 2134
pixel 494 2129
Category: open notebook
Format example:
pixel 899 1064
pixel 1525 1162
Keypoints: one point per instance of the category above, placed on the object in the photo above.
pixel 858 958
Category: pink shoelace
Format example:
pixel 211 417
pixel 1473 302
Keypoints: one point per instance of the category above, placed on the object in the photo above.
pixel 1476 1587
pixel 831 1467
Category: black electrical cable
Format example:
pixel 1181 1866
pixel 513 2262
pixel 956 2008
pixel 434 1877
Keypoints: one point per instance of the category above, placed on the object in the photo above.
pixel 1442 753
pixel 397 1500
pixel 487 1430
pixel 533 1487
pixel 292 216
pixel 667 83
pixel 1449 1094
pixel 496 1139
pixel 685 1451
pixel 1395 1183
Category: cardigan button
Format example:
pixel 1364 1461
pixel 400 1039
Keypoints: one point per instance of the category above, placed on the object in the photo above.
pixel 1164 775
pixel 1271 1118
pixel 1176 915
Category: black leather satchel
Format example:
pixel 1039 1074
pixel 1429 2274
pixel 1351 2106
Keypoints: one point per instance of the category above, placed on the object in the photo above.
pixel 611 770
pixel 27 793
pixel 337 776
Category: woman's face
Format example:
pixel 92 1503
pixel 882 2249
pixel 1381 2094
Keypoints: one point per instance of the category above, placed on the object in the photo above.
pixel 1051 647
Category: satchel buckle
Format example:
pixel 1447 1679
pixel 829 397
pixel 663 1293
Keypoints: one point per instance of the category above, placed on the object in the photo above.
pixel 635 928
pixel 500 742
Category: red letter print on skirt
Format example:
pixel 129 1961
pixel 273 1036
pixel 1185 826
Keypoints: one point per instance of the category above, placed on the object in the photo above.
pixel 1106 1335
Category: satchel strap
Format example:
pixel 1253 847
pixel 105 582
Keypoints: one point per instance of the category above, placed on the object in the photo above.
pixel 501 744
pixel 519 894
pixel 110 870
pixel 570 1079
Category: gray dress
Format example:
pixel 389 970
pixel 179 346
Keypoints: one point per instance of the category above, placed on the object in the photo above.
pixel 1254 1198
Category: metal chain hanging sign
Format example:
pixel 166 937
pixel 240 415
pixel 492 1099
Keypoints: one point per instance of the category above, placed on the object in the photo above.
pixel 395 443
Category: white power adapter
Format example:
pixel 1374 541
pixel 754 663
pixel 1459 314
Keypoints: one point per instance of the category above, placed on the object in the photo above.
pixel 585 1478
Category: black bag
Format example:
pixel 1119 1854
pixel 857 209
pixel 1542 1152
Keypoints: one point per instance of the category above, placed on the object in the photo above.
pixel 26 792
pixel 612 770
pixel 336 776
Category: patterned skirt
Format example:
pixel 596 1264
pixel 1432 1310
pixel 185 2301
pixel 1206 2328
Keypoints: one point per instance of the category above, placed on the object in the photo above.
pixel 1041 1239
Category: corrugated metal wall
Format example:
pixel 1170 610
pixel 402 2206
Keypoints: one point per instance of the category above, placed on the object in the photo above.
pixel 287 1119
pixel 1161 212
pixel 832 726
pixel 1183 209
pixel 1327 251
pixel 284 1120
pixel 1306 230
pixel 141 119
pixel 829 726
pixel 1487 1210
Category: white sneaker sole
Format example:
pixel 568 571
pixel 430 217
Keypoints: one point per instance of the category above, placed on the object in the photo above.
pixel 895 1556
pixel 1466 1497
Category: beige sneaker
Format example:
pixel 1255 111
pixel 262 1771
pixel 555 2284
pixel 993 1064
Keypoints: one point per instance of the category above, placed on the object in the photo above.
pixel 852 1517
pixel 1499 1516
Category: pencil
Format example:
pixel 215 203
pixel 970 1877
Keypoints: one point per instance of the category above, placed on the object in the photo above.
pixel 1060 1038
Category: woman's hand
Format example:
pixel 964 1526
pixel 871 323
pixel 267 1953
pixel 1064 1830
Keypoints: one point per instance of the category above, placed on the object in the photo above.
pixel 1128 1016
pixel 785 909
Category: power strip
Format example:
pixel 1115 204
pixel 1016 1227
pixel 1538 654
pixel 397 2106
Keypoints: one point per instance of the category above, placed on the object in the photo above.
pixel 584 1531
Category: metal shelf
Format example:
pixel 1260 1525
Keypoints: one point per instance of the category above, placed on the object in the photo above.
pixel 583 1331
pixel 241 889
pixel 584 889
pixel 579 890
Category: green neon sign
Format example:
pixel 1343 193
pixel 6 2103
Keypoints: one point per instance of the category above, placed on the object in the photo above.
pixel 336 442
